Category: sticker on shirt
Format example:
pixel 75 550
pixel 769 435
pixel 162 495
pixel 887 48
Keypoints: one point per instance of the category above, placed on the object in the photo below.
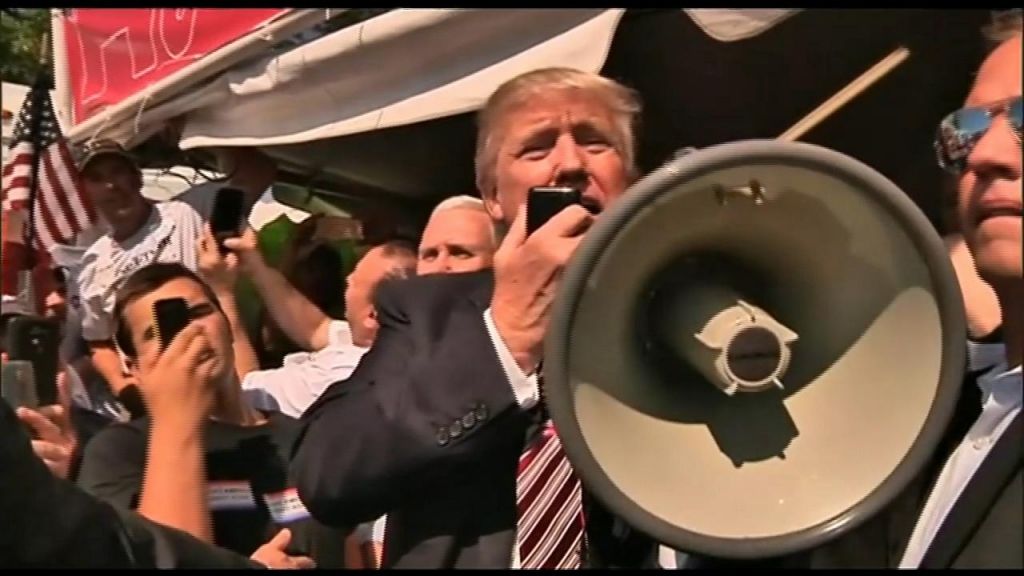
pixel 285 506
pixel 230 495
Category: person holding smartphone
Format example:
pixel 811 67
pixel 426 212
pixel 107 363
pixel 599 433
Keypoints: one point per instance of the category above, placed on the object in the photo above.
pixel 90 533
pixel 140 233
pixel 202 460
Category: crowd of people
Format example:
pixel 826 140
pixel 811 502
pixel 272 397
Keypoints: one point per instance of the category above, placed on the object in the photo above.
pixel 412 433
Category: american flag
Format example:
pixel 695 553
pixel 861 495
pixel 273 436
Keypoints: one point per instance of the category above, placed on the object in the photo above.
pixel 61 208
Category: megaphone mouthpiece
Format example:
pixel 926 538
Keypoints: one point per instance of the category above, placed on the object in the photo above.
pixel 734 344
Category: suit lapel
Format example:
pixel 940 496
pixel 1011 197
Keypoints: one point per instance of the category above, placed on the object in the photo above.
pixel 977 498
pixel 906 511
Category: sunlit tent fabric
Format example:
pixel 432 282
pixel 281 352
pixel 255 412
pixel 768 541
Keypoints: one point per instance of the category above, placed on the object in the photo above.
pixel 410 66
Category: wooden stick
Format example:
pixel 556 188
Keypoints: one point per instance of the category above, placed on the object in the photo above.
pixel 841 98
pixel 44 50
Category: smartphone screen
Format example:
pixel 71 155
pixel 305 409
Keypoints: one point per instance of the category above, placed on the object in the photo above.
pixel 18 384
pixel 37 341
pixel 226 217
pixel 170 316
pixel 544 202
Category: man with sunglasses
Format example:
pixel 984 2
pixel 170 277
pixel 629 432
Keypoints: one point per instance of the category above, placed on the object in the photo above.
pixel 964 509
pixel 972 515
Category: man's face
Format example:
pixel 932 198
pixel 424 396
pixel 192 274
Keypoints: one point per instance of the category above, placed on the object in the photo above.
pixel 139 316
pixel 989 195
pixel 557 139
pixel 456 240
pixel 115 186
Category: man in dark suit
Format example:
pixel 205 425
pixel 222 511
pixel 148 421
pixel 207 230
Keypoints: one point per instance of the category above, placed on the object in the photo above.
pixel 442 426
pixel 972 515
pixel 964 509
pixel 50 523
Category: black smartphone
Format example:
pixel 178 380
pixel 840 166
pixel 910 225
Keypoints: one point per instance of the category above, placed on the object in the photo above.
pixel 170 316
pixel 543 202
pixel 37 341
pixel 226 217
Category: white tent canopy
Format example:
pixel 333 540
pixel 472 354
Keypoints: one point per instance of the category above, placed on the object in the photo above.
pixel 408 66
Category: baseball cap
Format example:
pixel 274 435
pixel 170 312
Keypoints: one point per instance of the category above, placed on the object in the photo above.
pixel 96 148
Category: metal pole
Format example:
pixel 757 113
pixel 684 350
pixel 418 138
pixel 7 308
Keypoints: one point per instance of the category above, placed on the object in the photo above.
pixel 40 90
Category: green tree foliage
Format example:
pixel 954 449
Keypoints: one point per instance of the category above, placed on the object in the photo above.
pixel 21 32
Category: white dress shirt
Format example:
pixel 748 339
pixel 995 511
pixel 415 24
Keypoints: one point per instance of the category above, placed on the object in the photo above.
pixel 1001 389
pixel 526 389
pixel 303 376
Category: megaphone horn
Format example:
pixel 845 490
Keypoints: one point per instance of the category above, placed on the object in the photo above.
pixel 755 349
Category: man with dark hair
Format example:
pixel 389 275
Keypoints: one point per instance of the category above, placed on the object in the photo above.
pixel 202 460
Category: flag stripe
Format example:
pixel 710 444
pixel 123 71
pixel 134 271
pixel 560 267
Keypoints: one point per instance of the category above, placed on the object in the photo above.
pixel 64 217
pixel 71 180
pixel 60 208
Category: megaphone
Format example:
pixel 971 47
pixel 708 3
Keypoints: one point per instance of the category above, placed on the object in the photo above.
pixel 755 350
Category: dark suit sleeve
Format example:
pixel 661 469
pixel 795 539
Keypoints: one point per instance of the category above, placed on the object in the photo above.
pixel 51 523
pixel 113 465
pixel 420 404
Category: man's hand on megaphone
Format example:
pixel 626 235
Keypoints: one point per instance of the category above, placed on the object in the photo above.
pixel 526 274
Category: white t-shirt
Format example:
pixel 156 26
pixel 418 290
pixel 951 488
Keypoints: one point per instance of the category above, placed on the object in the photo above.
pixel 168 236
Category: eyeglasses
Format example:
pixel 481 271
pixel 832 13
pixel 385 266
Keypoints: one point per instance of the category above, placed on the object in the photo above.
pixel 961 131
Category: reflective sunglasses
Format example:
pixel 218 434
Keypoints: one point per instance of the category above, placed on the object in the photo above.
pixel 960 132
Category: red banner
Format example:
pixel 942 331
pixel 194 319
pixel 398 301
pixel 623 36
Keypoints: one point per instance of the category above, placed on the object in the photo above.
pixel 113 53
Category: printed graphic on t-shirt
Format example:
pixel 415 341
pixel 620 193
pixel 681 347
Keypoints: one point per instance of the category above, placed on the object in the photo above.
pixel 230 495
pixel 285 506
pixel 146 255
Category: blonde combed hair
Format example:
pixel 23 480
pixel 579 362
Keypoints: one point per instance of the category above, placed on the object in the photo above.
pixel 1006 24
pixel 621 100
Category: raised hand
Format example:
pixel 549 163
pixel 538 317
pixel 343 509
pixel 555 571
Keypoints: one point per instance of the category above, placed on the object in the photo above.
pixel 526 274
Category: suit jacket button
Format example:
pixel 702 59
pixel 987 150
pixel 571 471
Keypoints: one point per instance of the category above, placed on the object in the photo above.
pixel 481 413
pixel 442 436
pixel 455 430
pixel 469 420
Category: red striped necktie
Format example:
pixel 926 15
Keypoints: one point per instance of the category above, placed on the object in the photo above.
pixel 550 528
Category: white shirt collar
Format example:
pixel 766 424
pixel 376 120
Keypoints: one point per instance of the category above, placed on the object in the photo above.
pixel 1001 384
pixel 983 355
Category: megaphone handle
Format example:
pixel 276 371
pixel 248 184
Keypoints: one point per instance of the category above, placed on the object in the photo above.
pixel 841 98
